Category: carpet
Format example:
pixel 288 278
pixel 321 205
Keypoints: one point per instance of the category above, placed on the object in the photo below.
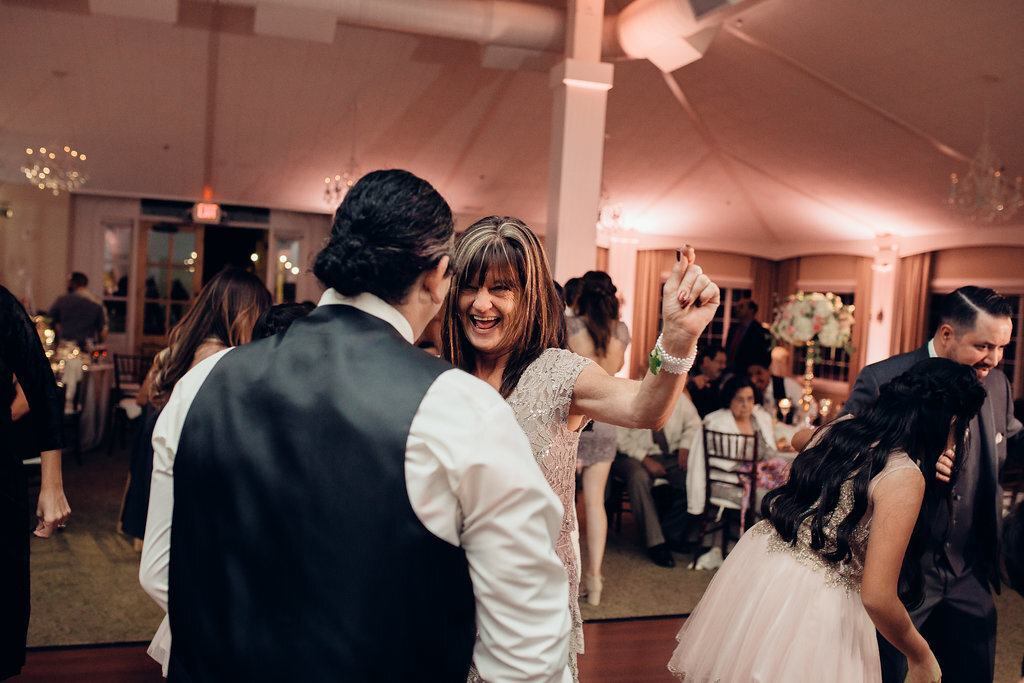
pixel 85 586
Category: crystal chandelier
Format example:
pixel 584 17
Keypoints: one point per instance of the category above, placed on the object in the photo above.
pixel 55 169
pixel 337 187
pixel 984 194
pixel 611 224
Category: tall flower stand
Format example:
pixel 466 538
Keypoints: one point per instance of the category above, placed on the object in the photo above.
pixel 807 397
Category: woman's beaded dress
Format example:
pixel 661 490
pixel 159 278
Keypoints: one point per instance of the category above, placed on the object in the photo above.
pixel 781 612
pixel 541 403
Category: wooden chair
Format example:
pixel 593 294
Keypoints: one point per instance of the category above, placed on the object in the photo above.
pixel 616 501
pixel 129 374
pixel 730 484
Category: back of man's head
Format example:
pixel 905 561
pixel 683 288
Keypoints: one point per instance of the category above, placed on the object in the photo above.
pixel 959 309
pixel 78 280
pixel 391 227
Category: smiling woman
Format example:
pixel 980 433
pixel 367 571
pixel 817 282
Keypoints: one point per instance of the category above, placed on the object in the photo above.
pixel 505 324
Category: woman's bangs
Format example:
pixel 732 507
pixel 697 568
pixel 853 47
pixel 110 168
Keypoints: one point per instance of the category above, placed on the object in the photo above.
pixel 495 258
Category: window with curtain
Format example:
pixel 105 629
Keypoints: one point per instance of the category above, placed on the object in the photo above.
pixel 718 329
pixel 117 253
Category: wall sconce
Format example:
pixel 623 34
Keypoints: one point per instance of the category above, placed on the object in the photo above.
pixel 6 212
pixel 887 251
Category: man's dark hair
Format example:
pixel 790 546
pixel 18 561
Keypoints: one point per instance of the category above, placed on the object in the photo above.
pixel 279 317
pixel 708 351
pixel 753 305
pixel 79 279
pixel 391 227
pixel 959 309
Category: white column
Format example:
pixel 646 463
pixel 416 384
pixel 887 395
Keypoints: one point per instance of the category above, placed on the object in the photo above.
pixel 883 300
pixel 580 85
pixel 622 250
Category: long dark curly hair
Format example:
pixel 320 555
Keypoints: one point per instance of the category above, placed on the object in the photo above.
pixel 913 413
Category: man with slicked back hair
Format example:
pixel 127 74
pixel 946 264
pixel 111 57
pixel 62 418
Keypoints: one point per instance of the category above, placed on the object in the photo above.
pixel 961 565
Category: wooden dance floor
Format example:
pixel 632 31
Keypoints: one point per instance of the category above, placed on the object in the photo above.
pixel 630 651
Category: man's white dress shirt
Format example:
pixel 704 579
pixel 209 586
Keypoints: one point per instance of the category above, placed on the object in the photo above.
pixel 680 429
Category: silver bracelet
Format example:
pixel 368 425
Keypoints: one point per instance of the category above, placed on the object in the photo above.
pixel 659 360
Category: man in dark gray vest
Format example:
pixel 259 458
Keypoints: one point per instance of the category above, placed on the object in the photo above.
pixel 958 617
pixel 345 506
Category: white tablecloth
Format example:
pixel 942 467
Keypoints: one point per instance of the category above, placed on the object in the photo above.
pixel 95 406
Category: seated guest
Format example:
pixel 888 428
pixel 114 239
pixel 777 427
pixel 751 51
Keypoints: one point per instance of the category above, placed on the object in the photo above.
pixel 772 388
pixel 703 382
pixel 78 315
pixel 740 414
pixel 644 457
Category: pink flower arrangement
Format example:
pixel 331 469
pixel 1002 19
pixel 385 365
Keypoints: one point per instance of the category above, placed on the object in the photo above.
pixel 818 318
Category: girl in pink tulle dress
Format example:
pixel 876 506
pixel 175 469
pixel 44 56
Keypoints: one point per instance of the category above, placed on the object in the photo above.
pixel 800 596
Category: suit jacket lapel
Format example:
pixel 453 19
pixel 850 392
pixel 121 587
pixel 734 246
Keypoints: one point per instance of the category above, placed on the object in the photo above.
pixel 988 427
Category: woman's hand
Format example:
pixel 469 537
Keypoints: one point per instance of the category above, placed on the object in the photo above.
pixel 53 509
pixel 925 671
pixel 944 465
pixel 689 301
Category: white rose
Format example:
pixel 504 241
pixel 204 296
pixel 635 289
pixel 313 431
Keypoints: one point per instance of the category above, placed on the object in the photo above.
pixel 804 329
pixel 831 334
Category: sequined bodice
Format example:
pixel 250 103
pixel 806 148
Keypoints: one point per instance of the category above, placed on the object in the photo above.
pixel 845 574
pixel 541 403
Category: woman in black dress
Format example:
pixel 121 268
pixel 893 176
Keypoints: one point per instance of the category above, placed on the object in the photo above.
pixel 23 363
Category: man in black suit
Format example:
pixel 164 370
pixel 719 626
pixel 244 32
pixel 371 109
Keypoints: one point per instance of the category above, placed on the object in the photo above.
pixel 957 616
pixel 748 339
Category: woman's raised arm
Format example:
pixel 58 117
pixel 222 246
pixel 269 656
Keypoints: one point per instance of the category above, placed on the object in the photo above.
pixel 689 302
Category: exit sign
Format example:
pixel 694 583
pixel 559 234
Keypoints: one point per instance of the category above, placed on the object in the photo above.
pixel 206 213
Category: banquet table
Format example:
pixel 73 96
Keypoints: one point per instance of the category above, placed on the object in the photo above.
pixel 96 403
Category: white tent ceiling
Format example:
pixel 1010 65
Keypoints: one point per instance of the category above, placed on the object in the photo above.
pixel 808 126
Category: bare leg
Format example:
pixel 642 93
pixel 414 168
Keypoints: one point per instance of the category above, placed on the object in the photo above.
pixel 594 479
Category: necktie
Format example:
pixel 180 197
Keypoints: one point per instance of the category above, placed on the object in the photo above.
pixel 661 441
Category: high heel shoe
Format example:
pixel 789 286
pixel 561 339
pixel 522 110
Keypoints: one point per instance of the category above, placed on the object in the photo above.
pixel 594 586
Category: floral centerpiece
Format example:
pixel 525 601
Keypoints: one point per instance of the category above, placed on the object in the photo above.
pixel 814 319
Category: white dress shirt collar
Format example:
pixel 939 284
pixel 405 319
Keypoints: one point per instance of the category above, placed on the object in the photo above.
pixel 374 305
pixel 931 348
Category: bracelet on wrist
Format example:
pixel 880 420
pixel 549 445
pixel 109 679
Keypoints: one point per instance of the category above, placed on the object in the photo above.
pixel 659 360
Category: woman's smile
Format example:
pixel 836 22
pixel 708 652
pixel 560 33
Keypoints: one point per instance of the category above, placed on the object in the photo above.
pixel 484 323
pixel 484 309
